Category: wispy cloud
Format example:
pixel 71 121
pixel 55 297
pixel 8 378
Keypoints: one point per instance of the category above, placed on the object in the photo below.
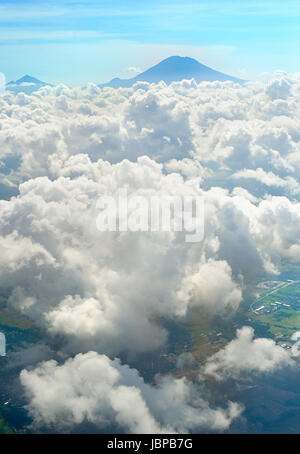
pixel 13 35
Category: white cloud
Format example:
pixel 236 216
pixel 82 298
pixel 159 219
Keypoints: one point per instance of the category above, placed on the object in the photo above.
pixel 193 126
pixel 77 280
pixel 269 179
pixel 93 388
pixel 211 284
pixel 109 291
pixel 245 355
pixel 58 268
pixel 134 70
pixel 279 89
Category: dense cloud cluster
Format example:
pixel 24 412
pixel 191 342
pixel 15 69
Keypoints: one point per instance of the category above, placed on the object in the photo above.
pixel 75 280
pixel 218 125
pixel 109 292
pixel 93 388
pixel 246 355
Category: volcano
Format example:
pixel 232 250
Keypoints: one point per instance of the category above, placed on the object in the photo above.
pixel 174 69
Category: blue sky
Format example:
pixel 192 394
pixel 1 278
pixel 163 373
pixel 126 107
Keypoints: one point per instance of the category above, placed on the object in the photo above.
pixel 75 41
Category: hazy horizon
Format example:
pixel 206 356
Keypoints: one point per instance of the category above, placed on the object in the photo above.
pixel 76 43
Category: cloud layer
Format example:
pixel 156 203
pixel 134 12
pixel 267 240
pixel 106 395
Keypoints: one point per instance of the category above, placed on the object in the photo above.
pixel 93 388
pixel 101 294
pixel 218 125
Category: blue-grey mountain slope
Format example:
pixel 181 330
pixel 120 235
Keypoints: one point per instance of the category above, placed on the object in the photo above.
pixel 174 69
pixel 27 84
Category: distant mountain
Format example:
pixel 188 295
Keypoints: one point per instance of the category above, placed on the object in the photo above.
pixel 174 69
pixel 27 84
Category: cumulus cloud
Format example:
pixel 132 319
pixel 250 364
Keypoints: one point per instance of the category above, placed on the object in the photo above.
pixel 111 292
pixel 279 88
pixel 212 284
pixel 211 124
pixel 93 388
pixel 58 268
pixel 246 355
pixel 77 276
pixel 269 179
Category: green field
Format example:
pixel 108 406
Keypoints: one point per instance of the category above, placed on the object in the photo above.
pixel 283 321
pixel 280 321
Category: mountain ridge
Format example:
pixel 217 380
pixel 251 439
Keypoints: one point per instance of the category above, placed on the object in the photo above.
pixel 26 84
pixel 172 69
pixel 27 79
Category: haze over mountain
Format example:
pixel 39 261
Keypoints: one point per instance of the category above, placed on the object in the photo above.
pixel 174 69
pixel 26 84
pixel 169 70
